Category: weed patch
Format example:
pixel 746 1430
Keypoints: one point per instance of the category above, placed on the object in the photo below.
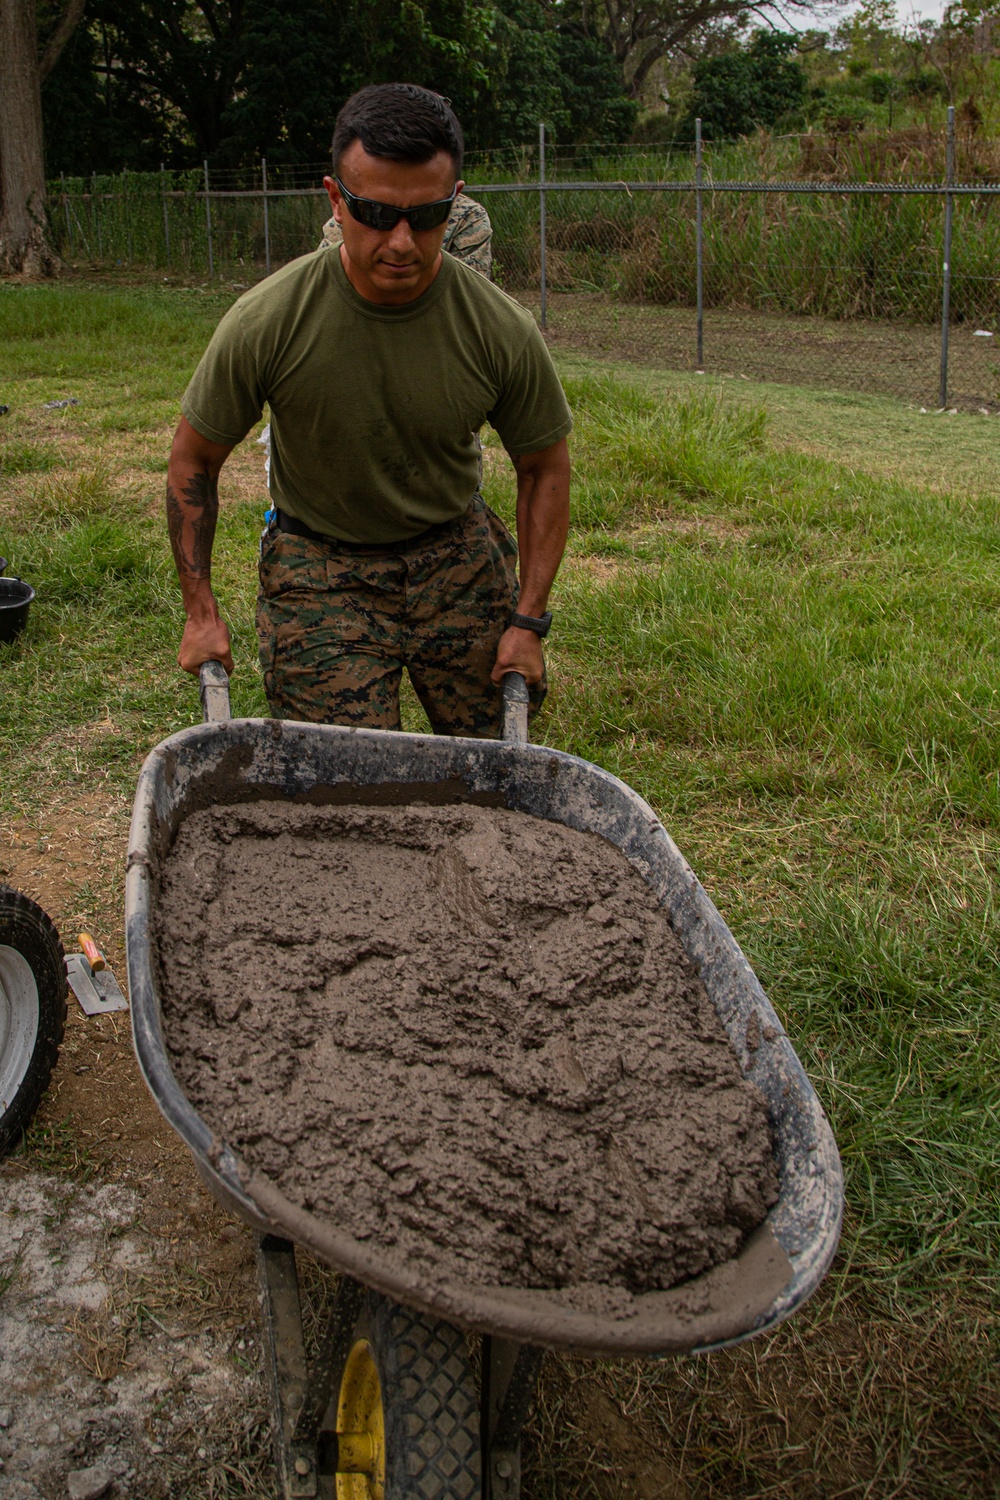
pixel 26 458
pixel 56 1150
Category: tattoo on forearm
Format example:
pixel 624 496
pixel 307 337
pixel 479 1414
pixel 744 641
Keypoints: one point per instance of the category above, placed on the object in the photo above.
pixel 191 524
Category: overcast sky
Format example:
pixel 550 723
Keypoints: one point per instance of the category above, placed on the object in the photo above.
pixel 922 10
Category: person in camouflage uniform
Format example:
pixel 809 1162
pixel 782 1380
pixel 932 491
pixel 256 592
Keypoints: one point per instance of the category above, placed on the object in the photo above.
pixel 376 613
pixel 337 625
pixel 468 235
pixel 380 364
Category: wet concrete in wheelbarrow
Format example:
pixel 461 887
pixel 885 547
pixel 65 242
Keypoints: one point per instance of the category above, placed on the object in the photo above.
pixel 466 1036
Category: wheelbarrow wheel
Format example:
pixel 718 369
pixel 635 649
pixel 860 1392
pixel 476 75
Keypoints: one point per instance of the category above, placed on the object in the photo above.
pixel 407 1410
pixel 32 1010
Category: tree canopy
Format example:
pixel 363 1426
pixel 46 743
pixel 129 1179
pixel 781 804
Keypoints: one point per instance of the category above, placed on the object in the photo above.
pixel 177 80
pixel 145 81
pixel 740 92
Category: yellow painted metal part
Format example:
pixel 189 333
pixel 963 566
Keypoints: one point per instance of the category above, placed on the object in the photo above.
pixel 360 1428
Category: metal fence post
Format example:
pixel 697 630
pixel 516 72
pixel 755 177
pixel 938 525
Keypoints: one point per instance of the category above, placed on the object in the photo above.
pixel 699 246
pixel 65 199
pixel 267 226
pixel 946 276
pixel 98 216
pixel 541 217
pixel 208 226
pixel 82 232
pixel 128 216
pixel 166 215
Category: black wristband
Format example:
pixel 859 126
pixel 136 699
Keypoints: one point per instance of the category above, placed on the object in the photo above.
pixel 529 622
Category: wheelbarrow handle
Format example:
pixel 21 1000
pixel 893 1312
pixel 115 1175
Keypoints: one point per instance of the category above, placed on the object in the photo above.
pixel 515 709
pixel 214 692
pixel 215 700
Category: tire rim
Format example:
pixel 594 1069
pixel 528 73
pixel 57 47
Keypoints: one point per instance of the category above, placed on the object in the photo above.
pixel 18 1022
pixel 360 1428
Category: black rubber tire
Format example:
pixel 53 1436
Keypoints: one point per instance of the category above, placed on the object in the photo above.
pixel 430 1403
pixel 26 929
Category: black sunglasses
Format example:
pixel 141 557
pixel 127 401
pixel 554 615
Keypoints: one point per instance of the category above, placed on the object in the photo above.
pixel 386 216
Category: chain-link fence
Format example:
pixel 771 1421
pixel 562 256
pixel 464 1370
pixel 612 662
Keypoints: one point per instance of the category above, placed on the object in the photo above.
pixel 888 287
pixel 234 226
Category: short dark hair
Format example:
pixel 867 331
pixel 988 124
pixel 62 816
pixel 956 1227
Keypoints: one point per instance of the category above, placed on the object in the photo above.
pixel 400 121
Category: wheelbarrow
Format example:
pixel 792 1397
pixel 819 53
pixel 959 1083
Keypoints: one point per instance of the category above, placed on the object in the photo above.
pixel 388 1408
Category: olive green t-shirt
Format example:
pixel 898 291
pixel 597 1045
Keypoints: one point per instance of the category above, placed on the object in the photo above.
pixel 375 410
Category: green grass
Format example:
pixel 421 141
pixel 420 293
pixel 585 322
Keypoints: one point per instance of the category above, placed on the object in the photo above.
pixel 141 340
pixel 796 661
pixel 25 458
pixel 874 435
pixel 56 1149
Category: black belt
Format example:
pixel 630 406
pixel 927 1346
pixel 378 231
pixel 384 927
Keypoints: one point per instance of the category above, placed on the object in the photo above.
pixel 292 526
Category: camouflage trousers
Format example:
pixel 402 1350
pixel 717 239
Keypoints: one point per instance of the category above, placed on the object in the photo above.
pixel 337 623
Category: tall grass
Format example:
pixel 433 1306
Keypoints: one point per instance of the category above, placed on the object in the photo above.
pixel 827 255
pixel 158 221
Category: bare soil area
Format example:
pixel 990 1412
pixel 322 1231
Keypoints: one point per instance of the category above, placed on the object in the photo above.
pixel 887 359
pixel 128 1313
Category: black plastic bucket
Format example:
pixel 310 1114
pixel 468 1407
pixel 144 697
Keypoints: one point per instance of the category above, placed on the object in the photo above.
pixel 15 601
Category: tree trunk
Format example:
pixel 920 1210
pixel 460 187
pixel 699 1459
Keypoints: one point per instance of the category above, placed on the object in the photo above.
pixel 656 51
pixel 24 245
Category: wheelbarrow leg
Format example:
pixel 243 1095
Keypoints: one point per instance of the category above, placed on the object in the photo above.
pixel 509 1375
pixel 425 1398
pixel 298 1403
pixel 285 1356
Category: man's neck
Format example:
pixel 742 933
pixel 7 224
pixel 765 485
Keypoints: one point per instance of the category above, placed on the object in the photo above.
pixel 385 296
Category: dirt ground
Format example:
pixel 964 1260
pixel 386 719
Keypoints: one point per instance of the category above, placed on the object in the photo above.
pixel 901 360
pixel 128 1311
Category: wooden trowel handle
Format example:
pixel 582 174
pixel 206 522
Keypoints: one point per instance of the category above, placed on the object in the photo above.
pixel 91 952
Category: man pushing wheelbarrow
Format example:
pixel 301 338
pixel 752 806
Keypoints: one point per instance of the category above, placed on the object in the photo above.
pixel 380 362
